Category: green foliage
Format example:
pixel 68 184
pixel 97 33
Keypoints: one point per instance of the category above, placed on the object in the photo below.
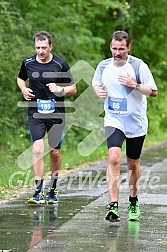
pixel 12 29
pixel 81 30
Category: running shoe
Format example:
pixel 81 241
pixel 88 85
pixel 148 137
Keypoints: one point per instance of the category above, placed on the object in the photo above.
pixel 134 211
pixel 113 213
pixel 52 196
pixel 37 198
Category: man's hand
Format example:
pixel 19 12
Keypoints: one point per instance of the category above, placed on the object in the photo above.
pixel 127 80
pixel 27 93
pixel 100 91
pixel 54 88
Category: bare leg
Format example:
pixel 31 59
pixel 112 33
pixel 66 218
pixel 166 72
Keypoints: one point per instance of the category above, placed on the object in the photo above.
pixel 37 159
pixel 113 173
pixel 55 162
pixel 134 176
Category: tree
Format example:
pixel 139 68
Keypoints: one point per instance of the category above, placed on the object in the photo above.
pixel 12 29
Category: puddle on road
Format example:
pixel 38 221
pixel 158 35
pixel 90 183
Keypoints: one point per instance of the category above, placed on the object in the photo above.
pixel 23 226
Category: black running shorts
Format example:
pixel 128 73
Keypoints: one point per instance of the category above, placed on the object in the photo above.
pixel 39 126
pixel 116 137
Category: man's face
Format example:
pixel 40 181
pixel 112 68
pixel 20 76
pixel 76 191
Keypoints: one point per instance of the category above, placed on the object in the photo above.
pixel 43 49
pixel 119 51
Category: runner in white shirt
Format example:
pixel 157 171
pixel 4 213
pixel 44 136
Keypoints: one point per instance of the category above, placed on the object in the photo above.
pixel 125 82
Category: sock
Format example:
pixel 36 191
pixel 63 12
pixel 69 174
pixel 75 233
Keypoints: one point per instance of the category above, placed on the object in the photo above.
pixel 114 203
pixel 133 199
pixel 39 185
pixel 53 183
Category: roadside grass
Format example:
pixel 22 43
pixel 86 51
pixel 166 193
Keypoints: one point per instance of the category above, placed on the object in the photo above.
pixel 14 179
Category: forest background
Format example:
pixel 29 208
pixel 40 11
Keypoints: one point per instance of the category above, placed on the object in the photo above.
pixel 81 30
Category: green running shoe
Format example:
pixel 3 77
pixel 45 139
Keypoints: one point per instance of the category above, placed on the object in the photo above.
pixel 113 213
pixel 37 198
pixel 134 211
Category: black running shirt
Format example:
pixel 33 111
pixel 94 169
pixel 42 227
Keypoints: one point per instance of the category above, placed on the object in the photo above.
pixel 39 74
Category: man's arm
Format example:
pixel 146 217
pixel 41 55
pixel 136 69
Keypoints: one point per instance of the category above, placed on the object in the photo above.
pixel 154 93
pixel 100 91
pixel 145 90
pixel 70 90
pixel 61 91
pixel 128 81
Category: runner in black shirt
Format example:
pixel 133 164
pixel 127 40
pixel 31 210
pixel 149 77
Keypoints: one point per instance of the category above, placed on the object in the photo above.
pixel 49 81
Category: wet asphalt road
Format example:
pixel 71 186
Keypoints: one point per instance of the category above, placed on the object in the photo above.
pixel 77 223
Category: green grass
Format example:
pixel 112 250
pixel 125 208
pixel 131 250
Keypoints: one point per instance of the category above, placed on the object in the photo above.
pixel 13 178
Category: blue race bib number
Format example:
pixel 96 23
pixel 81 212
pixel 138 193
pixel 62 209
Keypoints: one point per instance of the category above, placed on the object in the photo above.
pixel 46 106
pixel 117 105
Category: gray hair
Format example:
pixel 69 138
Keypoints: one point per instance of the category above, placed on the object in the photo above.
pixel 43 35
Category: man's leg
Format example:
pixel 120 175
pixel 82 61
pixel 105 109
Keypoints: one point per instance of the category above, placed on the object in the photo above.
pixel 113 173
pixel 55 163
pixel 55 135
pixel 115 139
pixel 37 159
pixel 134 175
pixel 133 152
pixel 113 181
pixel 38 168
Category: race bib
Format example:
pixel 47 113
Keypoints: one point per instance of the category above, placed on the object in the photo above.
pixel 117 105
pixel 46 106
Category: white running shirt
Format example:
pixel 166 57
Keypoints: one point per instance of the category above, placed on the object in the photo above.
pixel 125 108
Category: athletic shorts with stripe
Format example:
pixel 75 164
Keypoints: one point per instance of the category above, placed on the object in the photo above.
pixel 54 127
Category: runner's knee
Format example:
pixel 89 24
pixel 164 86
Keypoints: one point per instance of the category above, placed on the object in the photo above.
pixel 114 157
pixel 38 148
pixel 55 153
pixel 133 164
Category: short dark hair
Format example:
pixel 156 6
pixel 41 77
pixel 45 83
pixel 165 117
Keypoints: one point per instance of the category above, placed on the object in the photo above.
pixel 43 35
pixel 120 35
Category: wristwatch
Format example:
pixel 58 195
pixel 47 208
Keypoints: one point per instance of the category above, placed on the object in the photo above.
pixel 137 86
pixel 62 91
